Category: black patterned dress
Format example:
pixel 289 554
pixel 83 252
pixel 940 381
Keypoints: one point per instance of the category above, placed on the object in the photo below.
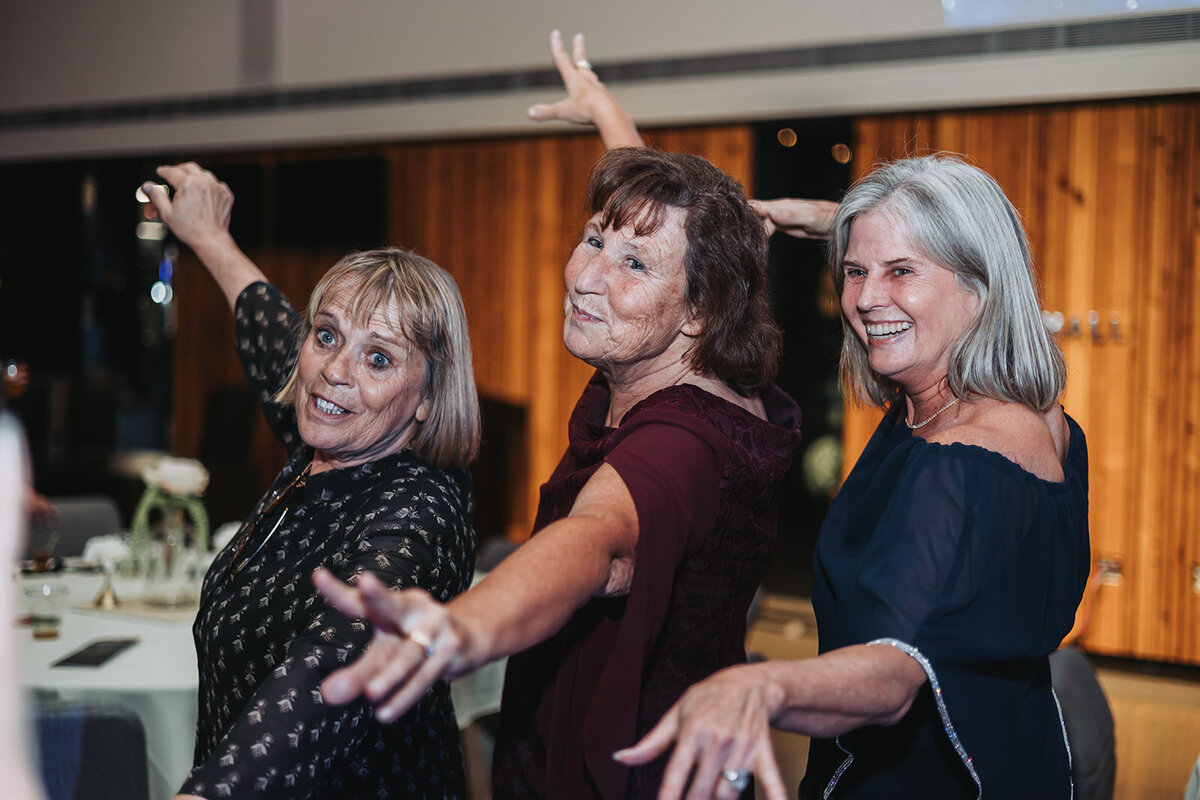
pixel 265 638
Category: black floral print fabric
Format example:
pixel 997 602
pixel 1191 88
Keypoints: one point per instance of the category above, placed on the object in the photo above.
pixel 265 638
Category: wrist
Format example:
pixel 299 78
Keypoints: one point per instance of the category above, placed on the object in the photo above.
pixel 773 683
pixel 213 244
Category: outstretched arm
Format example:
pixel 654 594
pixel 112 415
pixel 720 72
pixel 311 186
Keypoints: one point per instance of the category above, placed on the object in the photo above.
pixel 804 219
pixel 588 101
pixel 198 215
pixel 528 597
pixel 723 723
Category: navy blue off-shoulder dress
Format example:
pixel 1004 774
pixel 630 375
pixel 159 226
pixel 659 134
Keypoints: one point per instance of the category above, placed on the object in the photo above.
pixel 973 567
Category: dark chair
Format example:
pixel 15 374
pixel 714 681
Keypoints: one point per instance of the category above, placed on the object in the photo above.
pixel 79 518
pixel 1089 723
pixel 91 751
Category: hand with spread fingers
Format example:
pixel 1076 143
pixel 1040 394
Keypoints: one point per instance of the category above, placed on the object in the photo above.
pixel 588 101
pixel 720 729
pixel 416 642
pixel 803 219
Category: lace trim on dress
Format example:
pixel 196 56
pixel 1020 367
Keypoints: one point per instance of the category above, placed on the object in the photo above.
pixel 952 734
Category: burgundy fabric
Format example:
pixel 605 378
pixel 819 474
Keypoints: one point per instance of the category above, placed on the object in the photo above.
pixel 703 474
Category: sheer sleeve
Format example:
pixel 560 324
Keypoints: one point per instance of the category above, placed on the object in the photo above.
pixel 265 330
pixel 287 741
pixel 960 570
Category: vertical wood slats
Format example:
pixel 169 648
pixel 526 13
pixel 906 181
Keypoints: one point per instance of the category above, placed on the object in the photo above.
pixel 1109 196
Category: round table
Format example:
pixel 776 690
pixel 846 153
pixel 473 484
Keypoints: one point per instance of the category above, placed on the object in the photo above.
pixel 156 677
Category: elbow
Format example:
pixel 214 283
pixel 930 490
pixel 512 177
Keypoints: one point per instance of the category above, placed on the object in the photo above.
pixel 902 693
pixel 898 712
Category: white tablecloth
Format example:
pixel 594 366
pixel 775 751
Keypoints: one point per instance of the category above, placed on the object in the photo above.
pixel 156 677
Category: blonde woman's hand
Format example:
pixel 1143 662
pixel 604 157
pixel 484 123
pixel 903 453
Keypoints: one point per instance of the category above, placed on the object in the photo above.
pixel 200 208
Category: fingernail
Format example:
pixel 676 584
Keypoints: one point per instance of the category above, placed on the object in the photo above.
pixel 385 714
pixel 619 756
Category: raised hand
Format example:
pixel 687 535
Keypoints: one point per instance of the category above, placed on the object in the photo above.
pixel 417 642
pixel 721 730
pixel 201 207
pixel 588 101
pixel 804 219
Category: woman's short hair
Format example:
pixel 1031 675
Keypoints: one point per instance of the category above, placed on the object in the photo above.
pixel 960 218
pixel 725 259
pixel 431 310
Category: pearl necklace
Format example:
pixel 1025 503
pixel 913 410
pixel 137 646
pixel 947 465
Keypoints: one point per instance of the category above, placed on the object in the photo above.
pixel 913 427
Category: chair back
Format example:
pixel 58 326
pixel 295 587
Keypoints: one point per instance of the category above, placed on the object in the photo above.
pixel 91 751
pixel 1089 723
pixel 79 518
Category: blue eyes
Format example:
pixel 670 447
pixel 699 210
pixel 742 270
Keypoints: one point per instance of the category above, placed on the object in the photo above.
pixel 637 265
pixel 376 360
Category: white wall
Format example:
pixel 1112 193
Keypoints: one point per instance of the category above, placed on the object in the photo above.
pixel 60 53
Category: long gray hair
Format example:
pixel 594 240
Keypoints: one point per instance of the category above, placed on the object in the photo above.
pixel 959 217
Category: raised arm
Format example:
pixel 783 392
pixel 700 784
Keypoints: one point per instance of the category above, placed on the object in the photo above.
pixel 804 219
pixel 723 723
pixel 198 215
pixel 528 597
pixel 588 101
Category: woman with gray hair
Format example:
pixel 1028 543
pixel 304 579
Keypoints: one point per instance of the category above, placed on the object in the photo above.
pixel 952 560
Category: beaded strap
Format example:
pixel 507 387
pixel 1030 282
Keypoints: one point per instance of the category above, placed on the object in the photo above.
pixel 1066 741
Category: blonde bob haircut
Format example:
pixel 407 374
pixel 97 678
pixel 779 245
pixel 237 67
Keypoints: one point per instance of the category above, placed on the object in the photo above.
pixel 959 217
pixel 430 307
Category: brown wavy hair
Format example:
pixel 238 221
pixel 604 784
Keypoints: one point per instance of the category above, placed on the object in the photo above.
pixel 725 259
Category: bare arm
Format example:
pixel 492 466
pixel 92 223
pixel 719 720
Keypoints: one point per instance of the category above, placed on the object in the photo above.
pixel 198 215
pixel 526 599
pixel 804 219
pixel 588 101
pixel 723 723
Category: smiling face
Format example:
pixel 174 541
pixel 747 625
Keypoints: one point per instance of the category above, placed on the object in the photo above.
pixel 908 311
pixel 358 389
pixel 626 297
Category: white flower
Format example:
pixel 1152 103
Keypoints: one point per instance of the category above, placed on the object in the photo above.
pixel 180 476
pixel 106 551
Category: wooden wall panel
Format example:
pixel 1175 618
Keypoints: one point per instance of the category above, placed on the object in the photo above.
pixel 1108 193
pixel 503 217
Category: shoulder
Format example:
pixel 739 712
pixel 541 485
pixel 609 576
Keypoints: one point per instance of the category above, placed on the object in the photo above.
pixel 1034 442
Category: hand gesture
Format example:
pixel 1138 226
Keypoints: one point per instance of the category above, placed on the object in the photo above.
pixel 200 209
pixel 417 642
pixel 721 729
pixel 588 101
pixel 804 219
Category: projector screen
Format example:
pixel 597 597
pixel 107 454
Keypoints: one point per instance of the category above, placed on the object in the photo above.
pixel 1003 13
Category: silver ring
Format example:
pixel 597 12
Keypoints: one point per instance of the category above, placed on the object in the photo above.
pixel 739 779
pixel 583 63
pixel 422 641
